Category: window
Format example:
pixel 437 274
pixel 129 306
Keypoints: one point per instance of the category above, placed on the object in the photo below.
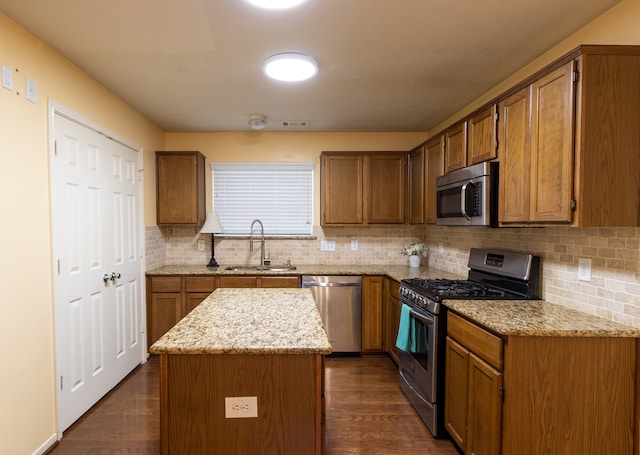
pixel 278 194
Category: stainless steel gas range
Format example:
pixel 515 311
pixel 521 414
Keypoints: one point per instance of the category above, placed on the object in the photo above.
pixel 493 274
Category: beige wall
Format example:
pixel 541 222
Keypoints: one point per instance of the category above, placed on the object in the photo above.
pixel 27 384
pixel 619 25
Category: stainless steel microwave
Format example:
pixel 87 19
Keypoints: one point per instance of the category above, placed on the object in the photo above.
pixel 468 196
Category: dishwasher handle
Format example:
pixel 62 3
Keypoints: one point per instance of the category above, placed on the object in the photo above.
pixel 310 284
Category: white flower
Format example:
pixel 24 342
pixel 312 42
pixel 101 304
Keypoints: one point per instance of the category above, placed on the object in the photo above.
pixel 415 249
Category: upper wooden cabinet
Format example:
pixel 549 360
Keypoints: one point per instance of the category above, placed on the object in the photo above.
pixel 180 189
pixel 416 186
pixel 515 157
pixel 483 141
pixel 455 147
pixel 362 188
pixel 568 142
pixel 434 149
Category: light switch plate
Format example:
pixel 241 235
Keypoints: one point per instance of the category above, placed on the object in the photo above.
pixel 327 245
pixel 7 77
pixel 30 90
pixel 354 245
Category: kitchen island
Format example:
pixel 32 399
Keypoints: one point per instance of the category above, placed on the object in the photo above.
pixel 244 343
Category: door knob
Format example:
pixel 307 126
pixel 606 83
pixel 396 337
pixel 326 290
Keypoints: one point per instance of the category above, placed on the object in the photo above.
pixel 112 276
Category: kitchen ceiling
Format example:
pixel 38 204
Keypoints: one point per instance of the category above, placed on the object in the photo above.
pixel 384 65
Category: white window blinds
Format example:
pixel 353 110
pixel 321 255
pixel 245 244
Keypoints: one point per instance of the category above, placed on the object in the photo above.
pixel 278 194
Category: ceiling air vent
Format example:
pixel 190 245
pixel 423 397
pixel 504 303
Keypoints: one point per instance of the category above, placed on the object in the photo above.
pixel 295 123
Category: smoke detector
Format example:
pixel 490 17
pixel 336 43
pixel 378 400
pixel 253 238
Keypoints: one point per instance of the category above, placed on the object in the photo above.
pixel 257 121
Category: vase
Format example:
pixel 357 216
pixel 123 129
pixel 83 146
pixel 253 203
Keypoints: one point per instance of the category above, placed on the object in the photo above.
pixel 414 261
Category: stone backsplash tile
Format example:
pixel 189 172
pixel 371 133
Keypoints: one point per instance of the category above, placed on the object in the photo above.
pixel 613 292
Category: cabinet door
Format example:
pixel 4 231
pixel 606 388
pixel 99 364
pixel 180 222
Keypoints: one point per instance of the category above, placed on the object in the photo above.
pixel 416 203
pixel 279 282
pixel 341 192
pixel 456 392
pixel 552 146
pixel 193 299
pixel 165 310
pixel 392 317
pixel 483 141
pixel 456 147
pixel 180 188
pixel 372 289
pixel 238 282
pixel 485 408
pixel 384 179
pixel 515 158
pixel 435 168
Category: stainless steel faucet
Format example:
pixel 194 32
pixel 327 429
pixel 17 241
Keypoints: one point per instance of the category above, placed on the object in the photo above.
pixel 261 240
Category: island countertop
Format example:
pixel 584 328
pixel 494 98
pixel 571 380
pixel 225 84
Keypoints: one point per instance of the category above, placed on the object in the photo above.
pixel 249 321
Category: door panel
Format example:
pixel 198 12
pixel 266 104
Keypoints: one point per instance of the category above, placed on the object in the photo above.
pixel 95 211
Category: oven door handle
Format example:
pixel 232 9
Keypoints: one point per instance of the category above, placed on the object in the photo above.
pixel 427 320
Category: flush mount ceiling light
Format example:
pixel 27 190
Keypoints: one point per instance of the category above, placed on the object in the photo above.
pixel 276 4
pixel 290 67
pixel 257 121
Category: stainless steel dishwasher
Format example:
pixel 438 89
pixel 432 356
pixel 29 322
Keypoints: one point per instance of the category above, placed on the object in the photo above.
pixel 339 301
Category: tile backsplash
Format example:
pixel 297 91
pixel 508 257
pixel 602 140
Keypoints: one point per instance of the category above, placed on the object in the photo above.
pixel 612 293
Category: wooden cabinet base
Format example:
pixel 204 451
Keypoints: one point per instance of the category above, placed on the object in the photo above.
pixel 288 388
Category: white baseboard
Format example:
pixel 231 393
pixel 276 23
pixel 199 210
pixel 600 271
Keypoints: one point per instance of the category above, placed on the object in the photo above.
pixel 47 445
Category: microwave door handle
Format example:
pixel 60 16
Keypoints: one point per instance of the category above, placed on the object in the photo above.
pixel 463 200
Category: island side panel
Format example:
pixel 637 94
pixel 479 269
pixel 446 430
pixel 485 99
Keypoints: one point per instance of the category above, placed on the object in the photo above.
pixel 193 414
pixel 569 395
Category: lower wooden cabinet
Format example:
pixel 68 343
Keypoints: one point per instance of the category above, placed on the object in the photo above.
pixel 538 394
pixel 172 297
pixel 392 317
pixel 372 323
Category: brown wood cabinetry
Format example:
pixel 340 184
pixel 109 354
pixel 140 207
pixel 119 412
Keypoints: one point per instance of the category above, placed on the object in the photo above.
pixel 259 281
pixel 362 188
pixel 483 140
pixel 170 298
pixel 568 141
pixel 392 317
pixel 289 390
pixel 515 157
pixel 180 189
pixel 416 186
pixel 342 190
pixel 435 167
pixel 538 394
pixel 455 147
pixel 372 313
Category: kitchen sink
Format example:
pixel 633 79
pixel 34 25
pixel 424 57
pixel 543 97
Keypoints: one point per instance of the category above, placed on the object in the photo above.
pixel 259 268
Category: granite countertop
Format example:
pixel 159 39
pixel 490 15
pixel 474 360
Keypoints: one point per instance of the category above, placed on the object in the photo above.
pixel 249 321
pixel 396 272
pixel 537 318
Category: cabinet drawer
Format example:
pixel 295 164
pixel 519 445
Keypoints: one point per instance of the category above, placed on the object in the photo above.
pixel 200 283
pixel 484 344
pixel 166 284
pixel 238 281
pixel 279 282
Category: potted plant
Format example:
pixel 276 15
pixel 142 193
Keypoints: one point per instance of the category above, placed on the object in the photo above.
pixel 414 251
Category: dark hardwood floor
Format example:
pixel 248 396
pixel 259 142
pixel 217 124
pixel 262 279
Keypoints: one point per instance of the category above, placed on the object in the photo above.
pixel 366 412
